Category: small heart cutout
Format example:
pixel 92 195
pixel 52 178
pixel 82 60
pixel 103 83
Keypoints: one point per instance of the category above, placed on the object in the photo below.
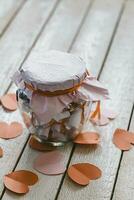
pixel 10 131
pixel 123 139
pixel 18 181
pixel 35 144
pixel 82 173
pixel 9 101
pixel 24 176
pixel 50 163
pixel 87 138
pixel 15 186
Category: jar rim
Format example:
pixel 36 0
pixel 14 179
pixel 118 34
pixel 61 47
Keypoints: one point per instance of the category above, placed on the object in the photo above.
pixel 53 70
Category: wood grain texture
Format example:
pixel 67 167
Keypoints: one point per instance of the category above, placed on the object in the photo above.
pixel 118 75
pixel 73 13
pixel 47 186
pixel 63 27
pixel 20 36
pixel 95 36
pixel 8 9
pixel 125 180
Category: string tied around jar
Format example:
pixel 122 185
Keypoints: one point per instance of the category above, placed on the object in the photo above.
pixel 57 92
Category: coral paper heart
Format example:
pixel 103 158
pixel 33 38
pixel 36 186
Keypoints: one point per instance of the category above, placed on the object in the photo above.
pixel 87 138
pixel 9 102
pixel 24 176
pixel 15 186
pixel 123 139
pixel 50 163
pixel 35 144
pixel 19 181
pixel 82 173
pixel 10 131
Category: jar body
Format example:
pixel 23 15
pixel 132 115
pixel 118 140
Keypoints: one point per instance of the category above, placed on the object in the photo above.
pixel 62 128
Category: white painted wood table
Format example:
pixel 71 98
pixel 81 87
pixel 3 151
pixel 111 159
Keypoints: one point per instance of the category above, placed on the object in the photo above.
pixel 101 31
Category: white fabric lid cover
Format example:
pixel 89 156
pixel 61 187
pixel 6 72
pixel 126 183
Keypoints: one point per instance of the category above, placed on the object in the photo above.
pixel 53 70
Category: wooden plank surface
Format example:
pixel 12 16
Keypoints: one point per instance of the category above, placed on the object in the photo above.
pixel 8 10
pixel 97 33
pixel 47 41
pixel 20 36
pixel 118 74
pixel 92 43
pixel 64 26
pixel 125 182
pixel 76 13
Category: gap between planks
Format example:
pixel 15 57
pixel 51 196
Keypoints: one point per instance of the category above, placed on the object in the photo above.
pixel 16 6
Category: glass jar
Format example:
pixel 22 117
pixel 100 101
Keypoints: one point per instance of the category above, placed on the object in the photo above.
pixel 55 95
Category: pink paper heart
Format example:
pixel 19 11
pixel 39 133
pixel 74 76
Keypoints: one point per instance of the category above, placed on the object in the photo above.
pixel 12 130
pixel 50 163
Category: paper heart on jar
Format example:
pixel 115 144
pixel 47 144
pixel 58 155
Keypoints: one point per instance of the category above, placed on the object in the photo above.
pixel 8 131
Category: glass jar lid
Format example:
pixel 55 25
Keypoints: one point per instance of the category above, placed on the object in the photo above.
pixel 53 70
